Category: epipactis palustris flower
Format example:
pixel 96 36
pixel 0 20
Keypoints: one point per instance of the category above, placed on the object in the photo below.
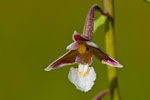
pixel 81 51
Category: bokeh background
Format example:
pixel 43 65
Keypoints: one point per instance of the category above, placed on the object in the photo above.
pixel 33 33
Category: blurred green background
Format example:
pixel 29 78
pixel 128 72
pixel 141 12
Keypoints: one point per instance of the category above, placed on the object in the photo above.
pixel 33 33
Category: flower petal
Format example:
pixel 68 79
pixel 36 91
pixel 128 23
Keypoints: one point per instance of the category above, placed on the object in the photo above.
pixel 77 37
pixel 66 59
pixel 83 83
pixel 91 44
pixel 73 46
pixel 111 62
pixel 86 58
pixel 104 58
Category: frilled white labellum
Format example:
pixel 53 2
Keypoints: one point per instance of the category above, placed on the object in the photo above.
pixel 82 77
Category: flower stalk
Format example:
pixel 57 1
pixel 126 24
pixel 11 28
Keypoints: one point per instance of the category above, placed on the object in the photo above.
pixel 101 95
pixel 110 49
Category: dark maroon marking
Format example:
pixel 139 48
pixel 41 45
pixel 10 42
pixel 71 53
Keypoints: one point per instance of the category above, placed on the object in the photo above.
pixel 111 61
pixel 78 37
pixel 62 64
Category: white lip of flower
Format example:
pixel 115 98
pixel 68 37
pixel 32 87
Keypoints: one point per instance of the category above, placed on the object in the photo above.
pixel 82 77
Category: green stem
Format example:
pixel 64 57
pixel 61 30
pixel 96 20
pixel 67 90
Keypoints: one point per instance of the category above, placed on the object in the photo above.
pixel 110 49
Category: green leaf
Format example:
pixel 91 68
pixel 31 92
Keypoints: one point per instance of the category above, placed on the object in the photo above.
pixel 148 1
pixel 99 22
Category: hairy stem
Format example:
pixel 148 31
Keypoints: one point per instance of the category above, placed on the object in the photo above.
pixel 88 27
pixel 110 49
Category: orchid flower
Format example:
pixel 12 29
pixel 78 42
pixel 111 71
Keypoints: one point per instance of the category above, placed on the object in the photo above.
pixel 81 51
